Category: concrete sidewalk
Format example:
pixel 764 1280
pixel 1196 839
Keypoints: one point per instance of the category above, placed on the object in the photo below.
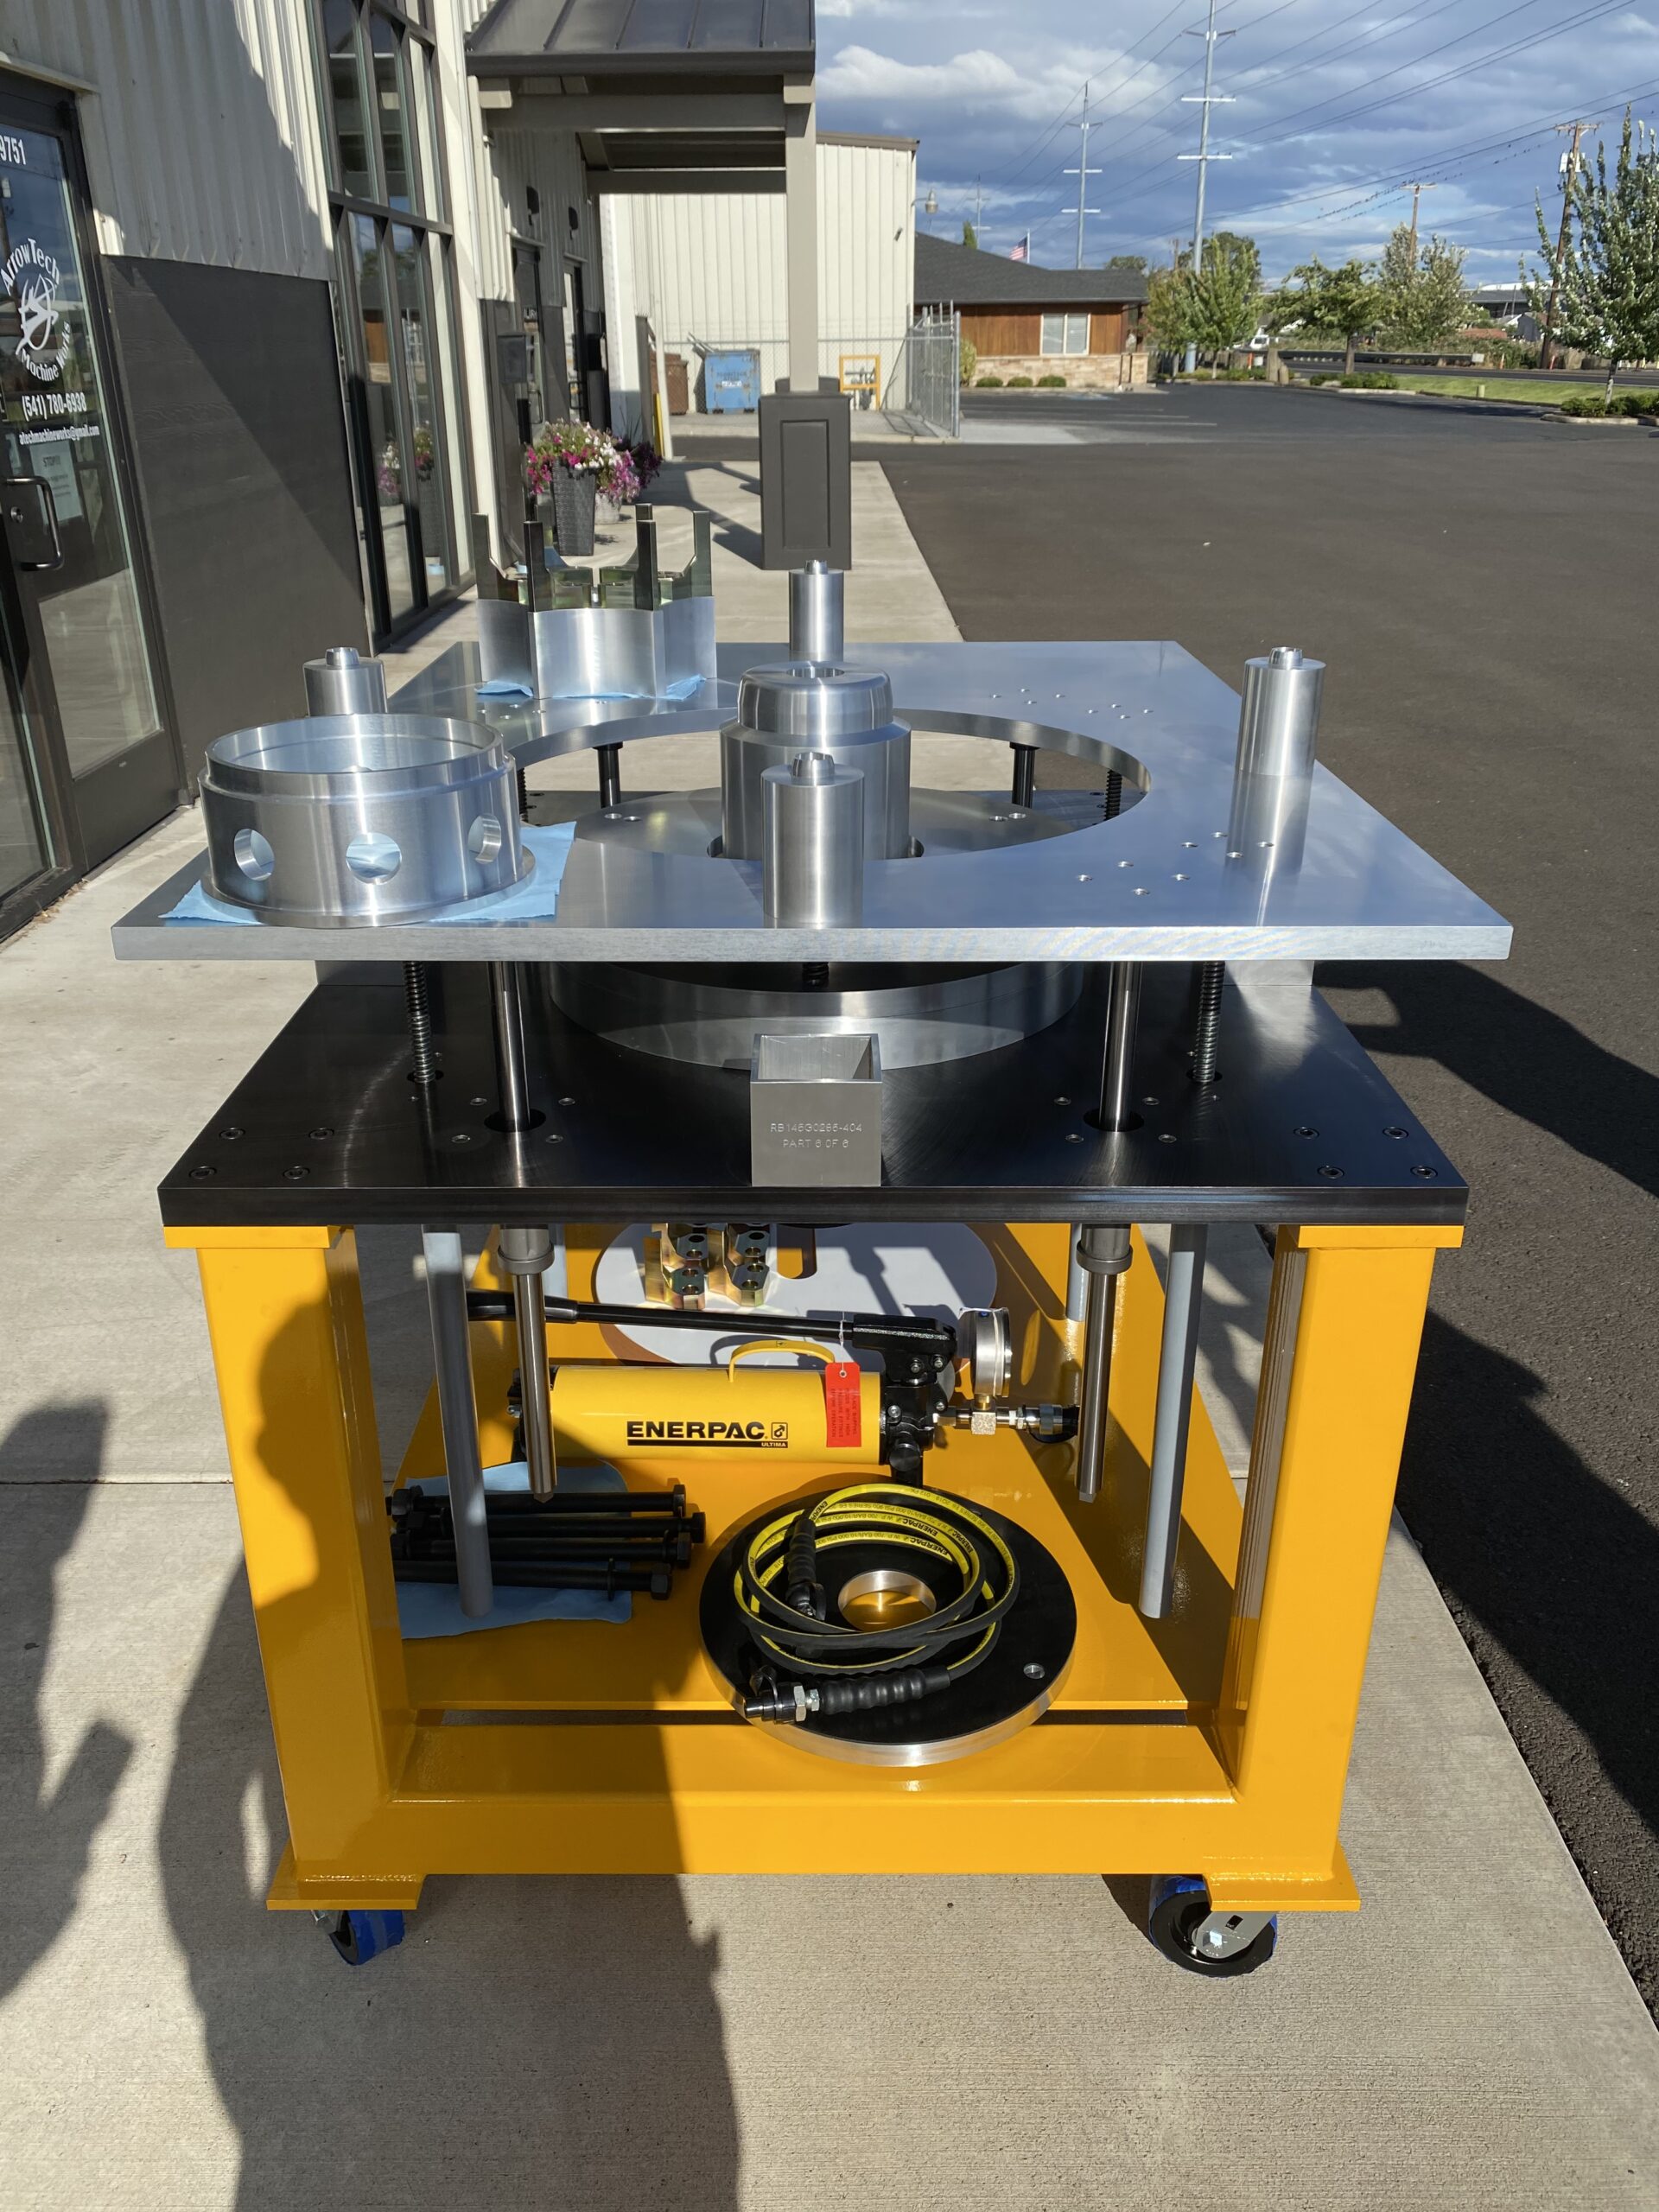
pixel 1470 2040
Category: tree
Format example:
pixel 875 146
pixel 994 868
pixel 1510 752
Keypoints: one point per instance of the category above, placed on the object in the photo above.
pixel 1344 300
pixel 1170 314
pixel 1422 300
pixel 1228 294
pixel 1216 309
pixel 1137 262
pixel 970 235
pixel 1607 280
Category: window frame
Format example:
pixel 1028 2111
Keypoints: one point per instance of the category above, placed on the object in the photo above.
pixel 426 173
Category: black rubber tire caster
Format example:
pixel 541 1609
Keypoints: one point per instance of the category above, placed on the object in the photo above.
pixel 360 1936
pixel 1178 1906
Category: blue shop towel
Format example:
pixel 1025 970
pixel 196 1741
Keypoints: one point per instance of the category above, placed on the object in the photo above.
pixel 535 898
pixel 504 687
pixel 427 1609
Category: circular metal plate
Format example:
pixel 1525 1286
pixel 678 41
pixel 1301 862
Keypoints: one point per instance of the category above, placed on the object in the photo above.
pixel 1017 1682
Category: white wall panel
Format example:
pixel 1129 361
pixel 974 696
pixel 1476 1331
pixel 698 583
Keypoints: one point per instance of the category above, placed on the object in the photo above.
pixel 710 270
pixel 200 122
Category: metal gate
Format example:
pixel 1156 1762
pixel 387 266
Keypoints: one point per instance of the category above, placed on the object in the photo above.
pixel 923 390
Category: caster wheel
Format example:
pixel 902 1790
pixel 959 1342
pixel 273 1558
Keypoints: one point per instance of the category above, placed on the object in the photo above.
pixel 1181 1924
pixel 360 1936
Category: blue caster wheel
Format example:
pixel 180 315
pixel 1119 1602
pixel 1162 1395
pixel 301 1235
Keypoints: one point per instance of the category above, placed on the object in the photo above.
pixel 360 1936
pixel 1183 1926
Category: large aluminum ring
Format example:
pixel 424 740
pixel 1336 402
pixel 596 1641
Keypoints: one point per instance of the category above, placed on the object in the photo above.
pixel 355 819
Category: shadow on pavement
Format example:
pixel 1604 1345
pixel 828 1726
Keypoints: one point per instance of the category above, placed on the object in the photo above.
pixel 1518 1054
pixel 46 1837
pixel 532 2040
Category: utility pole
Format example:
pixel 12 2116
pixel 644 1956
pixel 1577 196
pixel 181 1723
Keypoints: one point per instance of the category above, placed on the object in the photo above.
pixel 1083 174
pixel 979 203
pixel 1569 170
pixel 1416 190
pixel 1204 100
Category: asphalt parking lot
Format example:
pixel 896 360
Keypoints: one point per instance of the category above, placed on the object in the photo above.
pixel 1481 586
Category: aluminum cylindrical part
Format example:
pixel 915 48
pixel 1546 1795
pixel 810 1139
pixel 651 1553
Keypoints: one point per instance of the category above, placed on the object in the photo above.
pixel 1117 1070
pixel 1177 1357
pixel 812 860
pixel 343 683
pixel 446 1298
pixel 1076 1283
pixel 816 625
pixel 507 1019
pixel 1279 719
pixel 344 821
pixel 845 712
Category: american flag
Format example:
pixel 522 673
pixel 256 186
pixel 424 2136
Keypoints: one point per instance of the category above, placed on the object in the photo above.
pixel 1022 252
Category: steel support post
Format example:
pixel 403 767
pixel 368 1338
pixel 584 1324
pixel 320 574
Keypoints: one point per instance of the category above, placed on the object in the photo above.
pixel 446 1298
pixel 1183 1304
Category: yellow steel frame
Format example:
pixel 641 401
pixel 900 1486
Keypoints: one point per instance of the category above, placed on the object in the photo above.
pixel 1216 1743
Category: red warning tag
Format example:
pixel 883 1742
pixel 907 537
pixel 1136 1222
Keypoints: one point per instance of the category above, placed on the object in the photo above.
pixel 843 1427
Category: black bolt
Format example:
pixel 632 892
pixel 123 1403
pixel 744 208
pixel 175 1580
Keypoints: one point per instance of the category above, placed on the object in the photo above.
pixel 480 1101
pixel 200 1174
pixel 1166 1138
pixel 567 1102
pixel 296 1174
pixel 230 1135
pixel 1427 1173
pixel 1331 1174
pixel 1073 1136
pixel 1305 1132
pixel 461 1137
pixel 1393 1133
pixel 319 1134
pixel 1062 1102
pixel 556 1139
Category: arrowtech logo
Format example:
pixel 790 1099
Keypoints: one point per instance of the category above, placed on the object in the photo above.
pixel 718 1436
pixel 32 278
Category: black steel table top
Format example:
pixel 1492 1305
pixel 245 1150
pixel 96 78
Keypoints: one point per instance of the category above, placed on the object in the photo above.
pixel 328 1128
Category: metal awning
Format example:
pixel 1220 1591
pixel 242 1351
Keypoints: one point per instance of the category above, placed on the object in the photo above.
pixel 663 95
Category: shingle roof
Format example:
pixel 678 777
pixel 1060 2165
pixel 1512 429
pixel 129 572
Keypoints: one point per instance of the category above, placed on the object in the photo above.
pixel 967 276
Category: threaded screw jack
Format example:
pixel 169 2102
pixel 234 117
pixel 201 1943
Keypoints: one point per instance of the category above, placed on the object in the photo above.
pixel 419 1001
pixel 1207 1028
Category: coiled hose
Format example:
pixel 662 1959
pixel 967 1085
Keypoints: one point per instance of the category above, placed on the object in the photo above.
pixel 812 1665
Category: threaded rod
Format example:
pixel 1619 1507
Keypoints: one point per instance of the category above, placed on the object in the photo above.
pixel 417 1000
pixel 1207 1028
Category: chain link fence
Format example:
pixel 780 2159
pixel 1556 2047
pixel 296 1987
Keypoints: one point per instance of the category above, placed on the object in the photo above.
pixel 924 390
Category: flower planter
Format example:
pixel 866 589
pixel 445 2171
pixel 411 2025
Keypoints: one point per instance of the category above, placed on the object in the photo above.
pixel 574 494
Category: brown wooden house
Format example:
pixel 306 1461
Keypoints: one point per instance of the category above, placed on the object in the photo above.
pixel 1082 324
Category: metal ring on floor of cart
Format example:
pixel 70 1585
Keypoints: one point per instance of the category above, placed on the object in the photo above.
pixel 1018 1680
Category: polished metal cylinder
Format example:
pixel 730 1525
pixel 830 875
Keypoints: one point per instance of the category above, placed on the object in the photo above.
pixel 815 617
pixel 343 683
pixel 526 1254
pixel 1102 1252
pixel 1117 1070
pixel 845 712
pixel 507 1021
pixel 812 859
pixel 446 1300
pixel 1177 1357
pixel 1279 718
pixel 348 820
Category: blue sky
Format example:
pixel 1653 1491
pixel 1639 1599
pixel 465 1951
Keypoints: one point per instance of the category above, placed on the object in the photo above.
pixel 1337 105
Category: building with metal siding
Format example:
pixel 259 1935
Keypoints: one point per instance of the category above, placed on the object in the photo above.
pixel 710 273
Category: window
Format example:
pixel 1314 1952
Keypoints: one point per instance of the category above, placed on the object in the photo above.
pixel 1066 334
pixel 395 299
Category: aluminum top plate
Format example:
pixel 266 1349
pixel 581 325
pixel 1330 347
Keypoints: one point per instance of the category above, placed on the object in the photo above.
pixel 1171 879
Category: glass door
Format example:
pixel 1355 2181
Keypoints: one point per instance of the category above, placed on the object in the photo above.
pixel 80 618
